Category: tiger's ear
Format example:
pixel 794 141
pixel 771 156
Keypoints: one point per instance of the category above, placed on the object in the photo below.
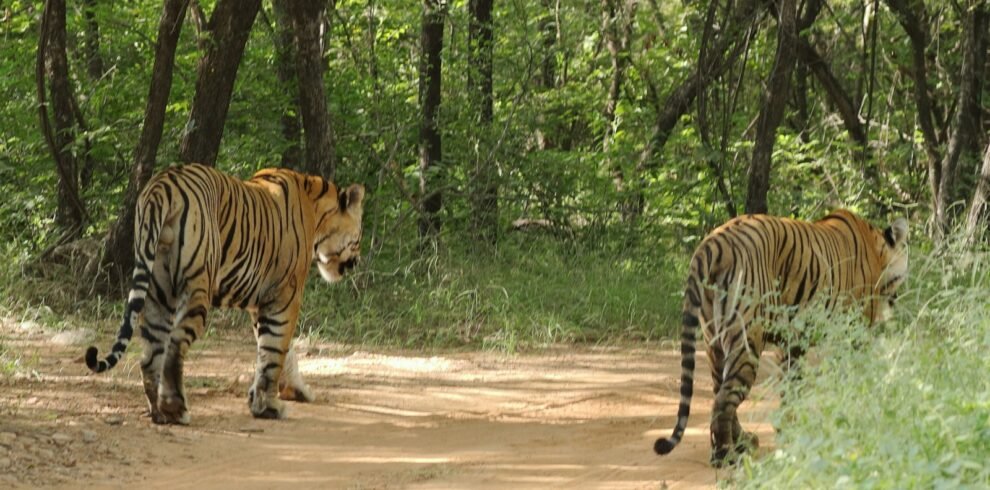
pixel 897 233
pixel 319 188
pixel 352 199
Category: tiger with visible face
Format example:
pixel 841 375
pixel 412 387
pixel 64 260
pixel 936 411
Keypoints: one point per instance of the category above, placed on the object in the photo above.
pixel 748 271
pixel 203 238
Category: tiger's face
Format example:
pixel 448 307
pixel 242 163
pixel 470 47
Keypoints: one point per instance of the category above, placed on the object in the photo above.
pixel 893 247
pixel 338 232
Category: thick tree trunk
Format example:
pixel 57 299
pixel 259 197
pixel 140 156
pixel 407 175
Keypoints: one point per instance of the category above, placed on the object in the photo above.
pixel 118 256
pixel 772 110
pixel 53 64
pixel 285 70
pixel 431 43
pixel 484 196
pixel 91 41
pixel 320 155
pixel 229 27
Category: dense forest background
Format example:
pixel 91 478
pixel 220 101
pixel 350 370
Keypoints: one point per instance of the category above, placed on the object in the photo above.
pixel 651 119
pixel 538 172
pixel 600 138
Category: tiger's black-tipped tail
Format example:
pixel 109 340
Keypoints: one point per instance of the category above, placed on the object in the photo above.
pixel 151 216
pixel 689 324
pixel 131 314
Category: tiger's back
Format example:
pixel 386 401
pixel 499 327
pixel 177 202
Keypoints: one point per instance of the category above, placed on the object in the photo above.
pixel 748 273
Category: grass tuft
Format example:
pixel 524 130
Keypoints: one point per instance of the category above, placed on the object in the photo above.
pixel 904 405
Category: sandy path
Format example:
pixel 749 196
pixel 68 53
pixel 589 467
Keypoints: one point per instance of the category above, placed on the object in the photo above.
pixel 569 417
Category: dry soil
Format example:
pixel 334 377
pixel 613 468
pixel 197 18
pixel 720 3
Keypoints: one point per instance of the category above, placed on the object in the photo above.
pixel 562 417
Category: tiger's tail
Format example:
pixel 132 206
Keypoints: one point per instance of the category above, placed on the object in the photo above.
pixel 689 333
pixel 140 280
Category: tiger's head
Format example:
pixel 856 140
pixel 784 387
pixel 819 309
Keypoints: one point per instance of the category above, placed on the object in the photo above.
pixel 892 250
pixel 338 229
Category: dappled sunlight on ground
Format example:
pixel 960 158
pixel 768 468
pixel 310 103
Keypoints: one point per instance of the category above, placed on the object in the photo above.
pixel 565 417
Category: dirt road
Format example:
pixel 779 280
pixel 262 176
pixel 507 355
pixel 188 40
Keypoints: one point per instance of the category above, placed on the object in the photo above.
pixel 568 417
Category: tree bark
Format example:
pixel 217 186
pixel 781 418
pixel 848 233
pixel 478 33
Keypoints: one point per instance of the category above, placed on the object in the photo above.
pixel 617 29
pixel 548 33
pixel 964 128
pixel 484 198
pixel 320 154
pixel 285 70
pixel 53 64
pixel 910 14
pixel 431 43
pixel 91 41
pixel 118 256
pixel 229 27
pixel 728 48
pixel 978 216
pixel 833 89
pixel 198 19
pixel 772 111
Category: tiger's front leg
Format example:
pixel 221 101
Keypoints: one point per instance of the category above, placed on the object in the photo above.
pixel 291 386
pixel 273 329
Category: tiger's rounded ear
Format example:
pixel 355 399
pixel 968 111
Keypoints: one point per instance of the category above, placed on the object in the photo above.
pixel 897 233
pixel 318 188
pixel 352 198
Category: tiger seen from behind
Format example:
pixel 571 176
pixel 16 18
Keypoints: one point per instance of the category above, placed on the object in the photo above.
pixel 757 271
pixel 203 238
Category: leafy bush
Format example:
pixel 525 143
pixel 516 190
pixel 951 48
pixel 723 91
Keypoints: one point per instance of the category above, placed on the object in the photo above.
pixel 906 405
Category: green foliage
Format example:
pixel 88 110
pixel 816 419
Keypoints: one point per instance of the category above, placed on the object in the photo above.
pixel 906 405
pixel 529 292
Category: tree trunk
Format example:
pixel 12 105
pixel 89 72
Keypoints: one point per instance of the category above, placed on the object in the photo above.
pixel 91 41
pixel 118 256
pixel 431 43
pixel 229 27
pixel 285 70
pixel 964 128
pixel 910 18
pixel 320 154
pixel 548 33
pixel 978 216
pixel 772 110
pixel 617 27
pixel 484 197
pixel 833 89
pixel 70 214
pixel 728 48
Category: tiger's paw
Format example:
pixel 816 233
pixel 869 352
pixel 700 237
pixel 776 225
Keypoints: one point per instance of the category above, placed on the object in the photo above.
pixel 747 442
pixel 296 394
pixel 728 456
pixel 291 385
pixel 264 406
pixel 171 410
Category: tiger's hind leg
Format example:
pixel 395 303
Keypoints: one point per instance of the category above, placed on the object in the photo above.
pixel 190 325
pixel 156 330
pixel 728 438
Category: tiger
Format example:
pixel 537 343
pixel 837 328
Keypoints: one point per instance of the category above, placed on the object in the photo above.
pixel 206 239
pixel 755 271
